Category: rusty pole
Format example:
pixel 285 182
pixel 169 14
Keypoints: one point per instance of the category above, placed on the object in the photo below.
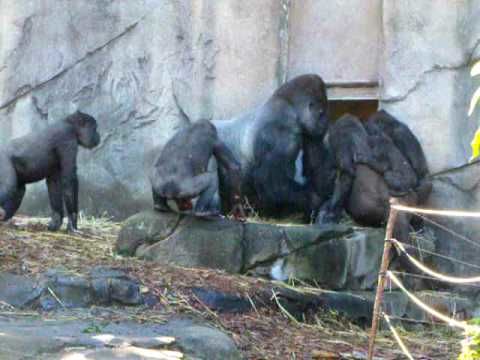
pixel 381 277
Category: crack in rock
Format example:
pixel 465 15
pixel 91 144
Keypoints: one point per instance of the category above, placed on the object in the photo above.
pixel 435 68
pixel 421 79
pixel 87 55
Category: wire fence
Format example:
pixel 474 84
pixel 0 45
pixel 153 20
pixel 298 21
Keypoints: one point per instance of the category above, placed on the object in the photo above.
pixel 424 272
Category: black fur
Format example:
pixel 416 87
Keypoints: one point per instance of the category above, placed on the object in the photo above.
pixel 398 172
pixel 268 141
pixel 403 139
pixel 348 142
pixel 49 154
pixel 181 172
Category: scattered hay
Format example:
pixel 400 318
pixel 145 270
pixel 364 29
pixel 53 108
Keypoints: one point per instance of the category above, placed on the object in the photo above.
pixel 266 332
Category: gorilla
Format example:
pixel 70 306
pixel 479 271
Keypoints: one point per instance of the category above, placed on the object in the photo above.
pixel 269 140
pixel 370 170
pixel 49 154
pixel 349 145
pixel 181 180
pixel 319 169
pixel 397 170
pixel 409 146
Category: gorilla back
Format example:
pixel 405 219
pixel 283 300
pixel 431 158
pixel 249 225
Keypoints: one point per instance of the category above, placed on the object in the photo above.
pixel 268 140
pixel 48 154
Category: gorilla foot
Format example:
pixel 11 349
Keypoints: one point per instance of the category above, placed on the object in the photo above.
pixel 328 217
pixel 161 208
pixel 55 222
pixel 72 224
pixel 205 214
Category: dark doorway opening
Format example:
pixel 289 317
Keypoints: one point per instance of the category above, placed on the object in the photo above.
pixel 360 108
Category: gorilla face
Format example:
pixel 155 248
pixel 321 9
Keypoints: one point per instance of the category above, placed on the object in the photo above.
pixel 308 95
pixel 86 129
pixel 313 117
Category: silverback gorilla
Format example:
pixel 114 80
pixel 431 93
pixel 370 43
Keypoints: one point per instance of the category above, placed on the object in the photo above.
pixel 180 174
pixel 268 141
pixel 49 154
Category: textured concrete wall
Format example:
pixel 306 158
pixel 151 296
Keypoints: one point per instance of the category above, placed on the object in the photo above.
pixel 147 67
pixel 142 69
pixel 429 47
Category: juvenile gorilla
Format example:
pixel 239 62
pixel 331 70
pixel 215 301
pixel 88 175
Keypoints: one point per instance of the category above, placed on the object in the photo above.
pixel 348 142
pixel 409 147
pixel 180 175
pixel 370 170
pixel 268 141
pixel 49 154
pixel 397 171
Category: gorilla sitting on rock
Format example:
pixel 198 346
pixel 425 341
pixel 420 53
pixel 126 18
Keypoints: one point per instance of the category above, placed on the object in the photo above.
pixel 269 140
pixel 371 168
pixel 48 154
pixel 181 180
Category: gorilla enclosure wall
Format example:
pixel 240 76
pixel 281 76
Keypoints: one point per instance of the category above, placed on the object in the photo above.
pixel 146 68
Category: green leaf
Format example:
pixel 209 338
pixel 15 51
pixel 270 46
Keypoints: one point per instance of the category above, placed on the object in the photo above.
pixel 475 144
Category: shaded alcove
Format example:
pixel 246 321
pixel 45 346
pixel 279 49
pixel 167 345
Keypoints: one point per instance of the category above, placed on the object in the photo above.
pixel 360 108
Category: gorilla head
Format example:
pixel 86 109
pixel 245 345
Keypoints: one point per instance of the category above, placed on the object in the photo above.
pixel 306 93
pixel 85 129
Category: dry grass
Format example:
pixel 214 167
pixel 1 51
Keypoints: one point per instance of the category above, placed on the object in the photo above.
pixel 267 332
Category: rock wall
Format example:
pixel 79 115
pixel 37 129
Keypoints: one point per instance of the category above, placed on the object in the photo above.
pixel 148 67
pixel 429 48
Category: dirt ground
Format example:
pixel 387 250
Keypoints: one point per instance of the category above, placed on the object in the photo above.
pixel 268 332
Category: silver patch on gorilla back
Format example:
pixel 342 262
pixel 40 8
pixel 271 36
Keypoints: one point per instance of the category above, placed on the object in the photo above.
pixel 299 178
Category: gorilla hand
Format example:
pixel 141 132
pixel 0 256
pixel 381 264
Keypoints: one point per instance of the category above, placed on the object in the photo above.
pixel 237 210
pixel 2 214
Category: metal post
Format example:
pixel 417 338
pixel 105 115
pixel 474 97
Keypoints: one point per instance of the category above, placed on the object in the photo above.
pixel 381 277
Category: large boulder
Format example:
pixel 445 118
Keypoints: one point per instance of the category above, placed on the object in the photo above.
pixel 199 243
pixel 58 288
pixel 178 338
pixel 336 256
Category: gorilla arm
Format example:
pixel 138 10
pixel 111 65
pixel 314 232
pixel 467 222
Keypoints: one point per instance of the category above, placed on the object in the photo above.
pixel 274 179
pixel 230 171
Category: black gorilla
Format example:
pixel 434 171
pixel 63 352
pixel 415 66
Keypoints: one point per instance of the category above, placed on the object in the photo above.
pixel 370 170
pixel 348 142
pixel 319 169
pixel 180 175
pixel 268 141
pixel 409 146
pixel 397 170
pixel 49 154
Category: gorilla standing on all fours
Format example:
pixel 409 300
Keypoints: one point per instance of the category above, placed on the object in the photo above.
pixel 268 141
pixel 48 154
pixel 180 175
